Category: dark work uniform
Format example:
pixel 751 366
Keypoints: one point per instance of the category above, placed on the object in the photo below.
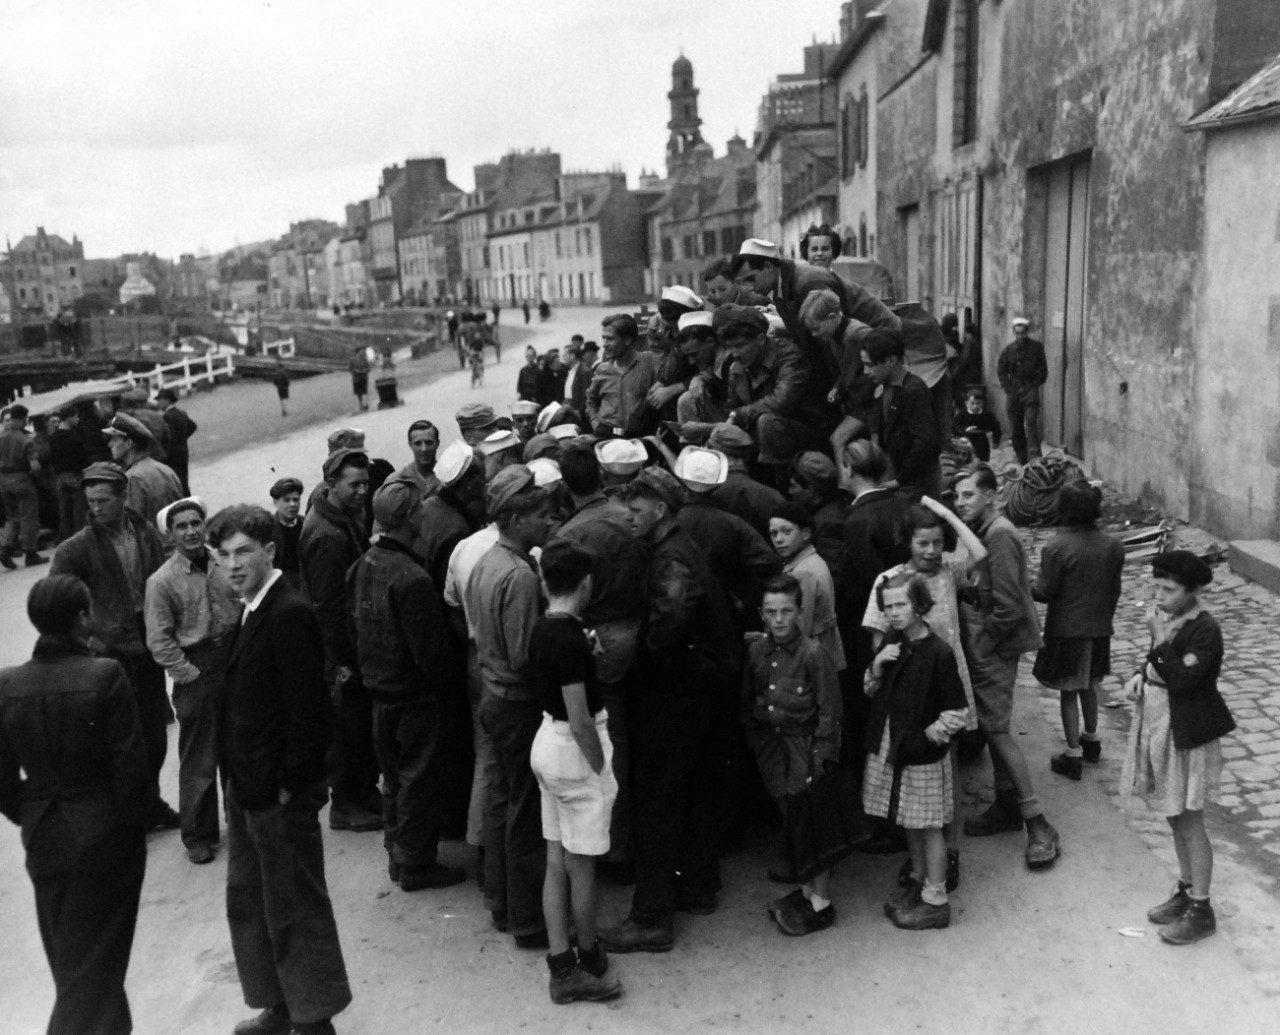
pixel 181 428
pixel 73 774
pixel 287 539
pixel 684 639
pixel 68 457
pixel 1022 370
pixel 406 664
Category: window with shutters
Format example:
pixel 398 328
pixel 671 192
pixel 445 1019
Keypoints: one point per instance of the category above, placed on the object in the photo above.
pixel 708 242
pixel 864 127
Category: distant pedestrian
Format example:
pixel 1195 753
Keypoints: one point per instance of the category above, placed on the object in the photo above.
pixel 359 367
pixel 524 307
pixel 73 775
pixel 1022 370
pixel 1080 572
pixel 527 379
pixel 281 380
pixel 577 798
pixel 917 705
pixel 497 314
pixel 477 366
pixel 1175 742
pixel 278 727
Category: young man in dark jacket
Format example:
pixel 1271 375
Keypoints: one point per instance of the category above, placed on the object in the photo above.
pixel 333 538
pixel 403 650
pixel 909 428
pixel 1022 370
pixel 276 732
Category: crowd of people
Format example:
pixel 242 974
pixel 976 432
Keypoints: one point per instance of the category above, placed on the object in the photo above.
pixel 597 640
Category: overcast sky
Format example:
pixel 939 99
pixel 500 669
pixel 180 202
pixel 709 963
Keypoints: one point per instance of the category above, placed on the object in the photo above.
pixel 184 125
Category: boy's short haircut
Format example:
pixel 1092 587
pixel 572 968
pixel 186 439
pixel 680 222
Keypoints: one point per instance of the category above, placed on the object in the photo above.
pixel 785 585
pixel 881 344
pixel 976 392
pixel 526 501
pixel 866 459
pixel 793 513
pixel 580 468
pixel 917 585
pixel 1079 503
pixel 564 565
pixel 255 522
pixel 717 268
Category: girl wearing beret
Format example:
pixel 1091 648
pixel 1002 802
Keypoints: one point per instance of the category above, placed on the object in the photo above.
pixel 1175 750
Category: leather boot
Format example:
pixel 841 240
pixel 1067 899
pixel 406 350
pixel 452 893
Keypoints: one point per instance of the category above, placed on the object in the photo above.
pixel 1042 843
pixel 1196 922
pixel 1173 907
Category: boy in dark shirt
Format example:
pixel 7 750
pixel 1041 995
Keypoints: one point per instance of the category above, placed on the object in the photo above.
pixel 572 759
pixel 286 495
pixel 975 423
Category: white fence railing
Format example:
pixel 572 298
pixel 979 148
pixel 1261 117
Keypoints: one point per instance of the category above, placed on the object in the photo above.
pixel 185 374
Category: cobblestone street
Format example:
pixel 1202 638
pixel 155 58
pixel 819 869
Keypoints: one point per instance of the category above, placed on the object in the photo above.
pixel 1245 825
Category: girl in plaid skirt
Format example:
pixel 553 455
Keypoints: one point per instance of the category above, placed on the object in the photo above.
pixel 917 704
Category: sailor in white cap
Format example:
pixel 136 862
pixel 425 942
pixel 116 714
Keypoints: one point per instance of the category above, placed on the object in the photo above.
pixel 620 461
pixel 501 449
pixel 1022 369
pixel 524 414
pixel 701 469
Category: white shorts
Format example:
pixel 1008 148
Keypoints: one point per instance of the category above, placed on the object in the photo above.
pixel 577 803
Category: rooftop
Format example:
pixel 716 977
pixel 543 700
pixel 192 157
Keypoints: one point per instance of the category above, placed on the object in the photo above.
pixel 1255 99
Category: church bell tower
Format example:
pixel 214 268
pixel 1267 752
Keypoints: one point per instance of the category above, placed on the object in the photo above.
pixel 685 134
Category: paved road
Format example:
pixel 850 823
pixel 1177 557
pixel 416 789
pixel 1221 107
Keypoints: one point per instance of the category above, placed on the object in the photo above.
pixel 1026 953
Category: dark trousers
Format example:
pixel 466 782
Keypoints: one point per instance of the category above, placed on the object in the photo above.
pixel 87 915
pixel 71 504
pixel 199 708
pixel 407 738
pixel 283 933
pixel 353 764
pixel 515 857
pixel 154 713
pixel 675 816
pixel 21 512
pixel 1024 423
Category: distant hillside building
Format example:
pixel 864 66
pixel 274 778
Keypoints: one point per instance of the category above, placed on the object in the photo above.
pixel 45 273
pixel 135 285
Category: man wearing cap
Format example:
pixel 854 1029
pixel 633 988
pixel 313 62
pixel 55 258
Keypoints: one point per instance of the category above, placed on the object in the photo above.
pixel 449 516
pixel 503 601
pixel 772 391
pixel 136 404
pixel 704 372
pixel 476 421
pixel 18 464
pixel 190 610
pixel 406 664
pixel 909 429
pixel 1021 371
pixel 815 485
pixel 152 485
pixel 424 443
pixel 685 636
pixel 114 555
pixel 181 428
pixel 524 415
pixel 741 494
pixel 333 538
pixel 620 461
pixel 759 267
pixel 616 400
pixel 603 527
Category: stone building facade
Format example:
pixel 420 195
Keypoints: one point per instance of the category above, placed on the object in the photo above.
pixel 1033 162
pixel 45 273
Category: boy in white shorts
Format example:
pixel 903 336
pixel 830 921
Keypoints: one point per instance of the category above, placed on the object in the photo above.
pixel 572 759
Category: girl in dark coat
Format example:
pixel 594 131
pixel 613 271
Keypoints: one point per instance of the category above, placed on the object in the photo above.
pixel 1175 749
pixel 918 703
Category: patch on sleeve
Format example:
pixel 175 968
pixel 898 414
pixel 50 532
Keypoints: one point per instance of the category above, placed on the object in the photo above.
pixel 1190 660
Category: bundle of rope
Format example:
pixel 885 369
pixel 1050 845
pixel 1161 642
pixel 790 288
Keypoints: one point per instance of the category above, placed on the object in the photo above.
pixel 1031 494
